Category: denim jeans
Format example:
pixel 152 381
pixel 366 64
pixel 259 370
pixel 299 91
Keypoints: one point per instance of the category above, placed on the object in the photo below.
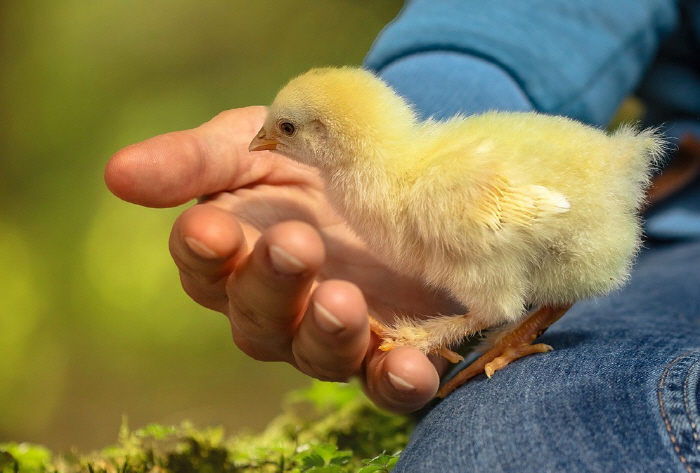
pixel 621 390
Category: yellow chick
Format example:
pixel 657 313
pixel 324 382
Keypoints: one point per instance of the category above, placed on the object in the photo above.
pixel 506 211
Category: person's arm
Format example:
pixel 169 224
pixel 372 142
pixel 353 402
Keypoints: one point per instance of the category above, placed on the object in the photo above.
pixel 577 59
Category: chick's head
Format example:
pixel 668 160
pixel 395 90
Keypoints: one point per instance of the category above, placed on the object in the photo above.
pixel 332 117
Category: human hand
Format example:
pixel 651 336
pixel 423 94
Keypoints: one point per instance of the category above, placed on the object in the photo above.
pixel 266 249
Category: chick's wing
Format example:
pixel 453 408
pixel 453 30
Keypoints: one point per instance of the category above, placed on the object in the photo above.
pixel 505 204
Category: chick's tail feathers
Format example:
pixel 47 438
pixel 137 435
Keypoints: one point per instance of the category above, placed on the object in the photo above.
pixel 640 153
pixel 682 169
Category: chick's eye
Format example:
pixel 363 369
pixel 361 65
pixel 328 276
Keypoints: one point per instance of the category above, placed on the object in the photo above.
pixel 287 128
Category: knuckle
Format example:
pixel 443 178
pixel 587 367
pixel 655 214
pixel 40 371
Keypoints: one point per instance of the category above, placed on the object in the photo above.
pixel 254 349
pixel 257 339
pixel 208 296
pixel 339 372
pixel 250 319
pixel 214 276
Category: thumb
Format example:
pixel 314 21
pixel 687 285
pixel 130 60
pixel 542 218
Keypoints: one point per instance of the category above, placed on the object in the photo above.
pixel 171 169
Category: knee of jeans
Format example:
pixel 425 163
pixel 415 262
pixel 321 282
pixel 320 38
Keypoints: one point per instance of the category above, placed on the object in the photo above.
pixel 613 400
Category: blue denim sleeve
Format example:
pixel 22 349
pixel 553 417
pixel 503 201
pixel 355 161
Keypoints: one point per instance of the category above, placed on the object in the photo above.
pixel 578 59
pixel 441 84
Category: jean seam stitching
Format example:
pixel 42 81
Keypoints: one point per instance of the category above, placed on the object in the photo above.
pixel 686 402
pixel 669 428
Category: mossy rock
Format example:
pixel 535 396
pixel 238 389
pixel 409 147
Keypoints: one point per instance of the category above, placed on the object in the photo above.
pixel 326 428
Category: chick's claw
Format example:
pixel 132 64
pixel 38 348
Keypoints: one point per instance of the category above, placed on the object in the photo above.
pixel 495 359
pixel 376 327
pixel 449 355
pixel 384 333
pixel 513 345
pixel 512 354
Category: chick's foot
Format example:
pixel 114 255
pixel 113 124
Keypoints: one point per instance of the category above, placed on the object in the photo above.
pixel 514 344
pixel 377 328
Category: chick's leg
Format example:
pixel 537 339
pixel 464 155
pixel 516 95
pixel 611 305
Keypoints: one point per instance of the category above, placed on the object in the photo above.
pixel 432 336
pixel 515 344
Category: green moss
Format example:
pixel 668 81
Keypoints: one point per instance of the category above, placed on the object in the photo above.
pixel 326 428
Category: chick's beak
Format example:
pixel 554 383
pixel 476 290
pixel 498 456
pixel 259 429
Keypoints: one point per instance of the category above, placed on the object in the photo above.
pixel 263 142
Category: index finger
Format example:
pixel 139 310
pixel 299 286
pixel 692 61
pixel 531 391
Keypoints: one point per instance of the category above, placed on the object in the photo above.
pixel 171 169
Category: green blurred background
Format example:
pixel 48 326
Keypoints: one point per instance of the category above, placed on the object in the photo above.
pixel 93 324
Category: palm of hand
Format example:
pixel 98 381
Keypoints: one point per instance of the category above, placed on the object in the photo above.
pixel 250 199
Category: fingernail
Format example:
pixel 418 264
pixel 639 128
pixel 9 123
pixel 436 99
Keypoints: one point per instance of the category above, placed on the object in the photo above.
pixel 200 248
pixel 400 384
pixel 285 263
pixel 325 320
